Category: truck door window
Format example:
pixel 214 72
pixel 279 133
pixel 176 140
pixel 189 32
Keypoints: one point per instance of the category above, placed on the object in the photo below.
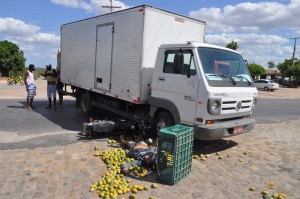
pixel 188 64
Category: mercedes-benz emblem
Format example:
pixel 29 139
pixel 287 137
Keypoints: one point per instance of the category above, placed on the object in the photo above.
pixel 238 106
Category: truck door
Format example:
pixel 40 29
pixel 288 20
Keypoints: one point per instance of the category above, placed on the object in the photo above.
pixel 178 83
pixel 104 48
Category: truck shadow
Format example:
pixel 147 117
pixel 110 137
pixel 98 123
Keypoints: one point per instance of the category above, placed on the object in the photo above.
pixel 209 147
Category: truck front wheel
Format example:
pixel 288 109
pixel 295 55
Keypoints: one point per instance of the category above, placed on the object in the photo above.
pixel 164 119
pixel 85 104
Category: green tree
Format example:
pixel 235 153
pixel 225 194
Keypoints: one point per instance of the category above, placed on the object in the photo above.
pixel 271 64
pixel 11 58
pixel 283 67
pixel 256 69
pixel 232 45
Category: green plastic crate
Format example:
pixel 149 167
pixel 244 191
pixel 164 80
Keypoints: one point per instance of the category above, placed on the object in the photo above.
pixel 175 150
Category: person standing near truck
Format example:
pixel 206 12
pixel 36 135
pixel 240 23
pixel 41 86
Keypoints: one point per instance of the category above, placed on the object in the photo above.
pixel 51 76
pixel 30 86
pixel 59 88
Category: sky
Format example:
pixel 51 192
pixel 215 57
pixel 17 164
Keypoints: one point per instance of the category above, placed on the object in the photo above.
pixel 262 29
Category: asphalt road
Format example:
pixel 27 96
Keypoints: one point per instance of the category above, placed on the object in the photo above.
pixel 268 110
pixel 20 128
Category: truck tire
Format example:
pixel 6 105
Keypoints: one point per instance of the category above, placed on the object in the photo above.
pixel 164 119
pixel 85 104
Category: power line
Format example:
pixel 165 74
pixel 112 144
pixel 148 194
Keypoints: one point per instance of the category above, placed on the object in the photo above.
pixel 111 7
pixel 295 41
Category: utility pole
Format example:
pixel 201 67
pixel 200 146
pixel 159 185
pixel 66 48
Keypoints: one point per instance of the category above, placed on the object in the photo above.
pixel 295 41
pixel 111 7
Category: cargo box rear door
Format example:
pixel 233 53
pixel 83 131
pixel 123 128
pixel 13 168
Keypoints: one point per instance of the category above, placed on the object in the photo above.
pixel 104 49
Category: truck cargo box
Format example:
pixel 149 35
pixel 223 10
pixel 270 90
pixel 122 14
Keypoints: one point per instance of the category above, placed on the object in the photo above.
pixel 114 54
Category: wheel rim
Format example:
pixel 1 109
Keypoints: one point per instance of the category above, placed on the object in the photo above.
pixel 161 124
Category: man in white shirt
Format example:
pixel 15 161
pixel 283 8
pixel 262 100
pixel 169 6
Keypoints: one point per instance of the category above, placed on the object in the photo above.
pixel 30 86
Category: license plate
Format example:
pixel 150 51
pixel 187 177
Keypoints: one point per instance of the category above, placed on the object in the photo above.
pixel 238 130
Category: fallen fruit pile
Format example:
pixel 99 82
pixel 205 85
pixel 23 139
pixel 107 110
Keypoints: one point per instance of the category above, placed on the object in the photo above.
pixel 265 193
pixel 113 183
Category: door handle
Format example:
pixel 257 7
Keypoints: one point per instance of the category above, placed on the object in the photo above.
pixel 161 78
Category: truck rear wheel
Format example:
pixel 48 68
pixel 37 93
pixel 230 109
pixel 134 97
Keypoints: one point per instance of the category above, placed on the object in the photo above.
pixel 85 104
pixel 164 119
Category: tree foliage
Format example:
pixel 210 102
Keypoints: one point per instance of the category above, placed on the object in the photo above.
pixel 256 69
pixel 11 58
pixel 232 45
pixel 271 64
pixel 287 68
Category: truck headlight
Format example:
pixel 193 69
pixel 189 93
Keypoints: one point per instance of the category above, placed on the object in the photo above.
pixel 254 103
pixel 214 106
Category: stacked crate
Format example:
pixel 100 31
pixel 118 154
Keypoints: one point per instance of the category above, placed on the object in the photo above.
pixel 175 150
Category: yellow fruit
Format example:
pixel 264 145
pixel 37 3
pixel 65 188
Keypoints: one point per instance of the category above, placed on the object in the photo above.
pixel 140 188
pixel 202 158
pixel 282 194
pixel 96 148
pixel 220 157
pixel 264 192
pixel 154 185
pixel 275 195
pixel 151 197
pixel 134 190
pixel 252 189
pixel 92 189
pixel 146 188
pixel 132 196
pixel 241 160
pixel 207 156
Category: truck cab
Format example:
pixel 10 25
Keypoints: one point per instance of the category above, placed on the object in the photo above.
pixel 204 86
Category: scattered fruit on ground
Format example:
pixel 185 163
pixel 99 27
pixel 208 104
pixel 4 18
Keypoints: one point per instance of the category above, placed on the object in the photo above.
pixel 151 197
pixel 96 148
pixel 241 160
pixel 195 156
pixel 264 192
pixel 220 157
pixel 154 185
pixel 252 189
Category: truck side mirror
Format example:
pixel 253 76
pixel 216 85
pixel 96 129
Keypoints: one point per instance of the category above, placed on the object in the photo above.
pixel 178 62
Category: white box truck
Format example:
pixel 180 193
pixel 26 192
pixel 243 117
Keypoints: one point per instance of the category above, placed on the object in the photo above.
pixel 153 65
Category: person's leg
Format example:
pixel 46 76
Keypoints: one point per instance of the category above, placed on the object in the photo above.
pixel 61 97
pixel 54 95
pixel 49 91
pixel 27 104
pixel 49 96
pixel 30 103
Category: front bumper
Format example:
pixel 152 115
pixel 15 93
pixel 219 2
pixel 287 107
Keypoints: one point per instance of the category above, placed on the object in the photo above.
pixel 224 129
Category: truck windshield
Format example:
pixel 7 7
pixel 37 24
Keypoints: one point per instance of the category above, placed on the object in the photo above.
pixel 224 68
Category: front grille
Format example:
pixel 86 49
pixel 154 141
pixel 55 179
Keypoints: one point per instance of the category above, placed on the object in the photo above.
pixel 236 105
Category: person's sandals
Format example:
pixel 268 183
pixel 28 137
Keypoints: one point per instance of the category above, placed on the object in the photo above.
pixel 28 108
